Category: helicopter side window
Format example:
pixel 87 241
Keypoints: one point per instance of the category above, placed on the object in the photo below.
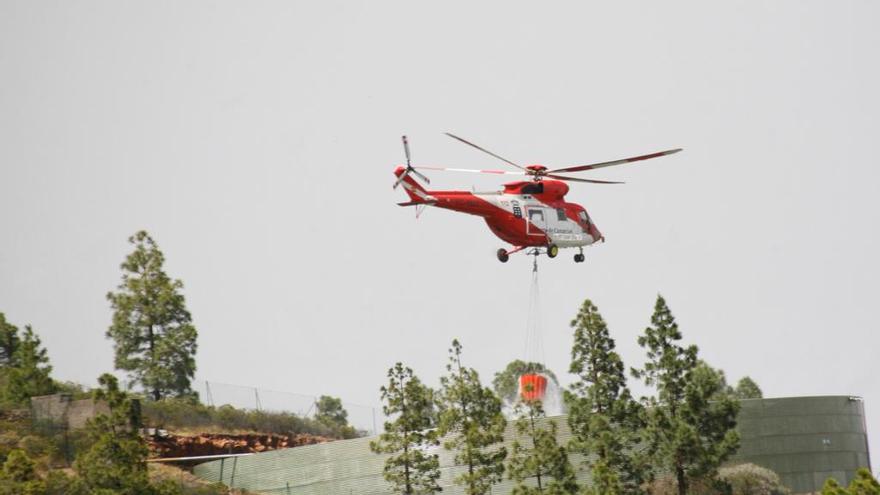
pixel 536 214
pixel 534 188
pixel 560 214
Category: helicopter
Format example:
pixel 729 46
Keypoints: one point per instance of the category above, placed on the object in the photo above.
pixel 529 214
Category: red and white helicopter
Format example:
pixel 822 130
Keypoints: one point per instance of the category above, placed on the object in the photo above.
pixel 527 213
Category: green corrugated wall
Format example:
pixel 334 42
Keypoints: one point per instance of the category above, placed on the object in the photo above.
pixel 804 439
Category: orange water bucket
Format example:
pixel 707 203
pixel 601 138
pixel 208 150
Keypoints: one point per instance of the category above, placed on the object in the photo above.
pixel 532 387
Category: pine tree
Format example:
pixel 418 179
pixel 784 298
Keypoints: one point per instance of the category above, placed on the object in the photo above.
pixel 864 483
pixel 29 375
pixel 473 420
pixel 690 424
pixel 18 467
pixel 746 388
pixel 329 411
pixel 116 460
pixel 832 487
pixel 410 469
pixel 152 330
pixel 605 420
pixel 8 341
pixel 538 456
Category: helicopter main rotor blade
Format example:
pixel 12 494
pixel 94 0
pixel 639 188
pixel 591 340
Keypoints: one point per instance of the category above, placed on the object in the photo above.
pixel 579 168
pixel 453 136
pixel 578 179
pixel 447 169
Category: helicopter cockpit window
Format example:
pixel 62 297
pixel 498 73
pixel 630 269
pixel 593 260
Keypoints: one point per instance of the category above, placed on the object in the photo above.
pixel 534 188
pixel 536 215
pixel 584 218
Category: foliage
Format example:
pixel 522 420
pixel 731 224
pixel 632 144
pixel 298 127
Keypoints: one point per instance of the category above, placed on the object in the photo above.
pixel 749 479
pixel 832 487
pixel 76 391
pixel 410 469
pixel 746 388
pixel 8 341
pixel 863 484
pixel 688 432
pixel 154 338
pixel 605 420
pixel 506 382
pixel 19 477
pixel 116 461
pixel 329 411
pixel 471 416
pixel 18 467
pixel 539 456
pixel 28 374
pixel 184 413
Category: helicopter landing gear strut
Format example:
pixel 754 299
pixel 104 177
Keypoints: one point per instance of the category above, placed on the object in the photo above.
pixel 579 258
pixel 504 255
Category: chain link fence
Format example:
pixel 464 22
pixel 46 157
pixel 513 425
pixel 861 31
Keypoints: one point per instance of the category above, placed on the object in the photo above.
pixel 366 419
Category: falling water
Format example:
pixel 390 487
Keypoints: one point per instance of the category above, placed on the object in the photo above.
pixel 552 402
pixel 534 352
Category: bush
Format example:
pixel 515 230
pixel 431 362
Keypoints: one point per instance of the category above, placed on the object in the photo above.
pixel 174 413
pixel 741 479
pixel 749 479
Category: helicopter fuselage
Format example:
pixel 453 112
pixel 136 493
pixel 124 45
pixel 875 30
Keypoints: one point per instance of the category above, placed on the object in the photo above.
pixel 524 214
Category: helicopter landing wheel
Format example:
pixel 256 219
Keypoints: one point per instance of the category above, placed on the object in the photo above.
pixel 502 255
pixel 552 250
pixel 579 258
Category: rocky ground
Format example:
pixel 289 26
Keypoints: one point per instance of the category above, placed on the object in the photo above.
pixel 167 444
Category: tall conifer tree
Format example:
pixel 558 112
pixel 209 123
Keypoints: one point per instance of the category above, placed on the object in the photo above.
pixel 116 461
pixel 8 341
pixel 473 420
pixel 410 469
pixel 690 423
pixel 537 456
pixel 155 340
pixel 604 418
pixel 29 374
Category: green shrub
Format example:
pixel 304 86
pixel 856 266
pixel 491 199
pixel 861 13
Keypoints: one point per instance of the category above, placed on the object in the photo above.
pixel 174 413
pixel 749 479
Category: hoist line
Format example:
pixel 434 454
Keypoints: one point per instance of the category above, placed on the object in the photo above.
pixel 534 345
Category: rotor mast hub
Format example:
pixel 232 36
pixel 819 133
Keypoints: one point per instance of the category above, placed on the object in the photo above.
pixel 536 171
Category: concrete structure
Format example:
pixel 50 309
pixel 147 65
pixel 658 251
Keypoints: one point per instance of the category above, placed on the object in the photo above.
pixel 804 439
pixel 61 411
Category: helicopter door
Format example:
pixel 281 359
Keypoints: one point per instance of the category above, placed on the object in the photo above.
pixel 538 218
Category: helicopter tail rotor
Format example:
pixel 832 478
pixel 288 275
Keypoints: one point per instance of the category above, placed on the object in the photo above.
pixel 409 168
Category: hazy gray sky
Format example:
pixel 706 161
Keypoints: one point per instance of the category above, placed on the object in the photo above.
pixel 255 141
